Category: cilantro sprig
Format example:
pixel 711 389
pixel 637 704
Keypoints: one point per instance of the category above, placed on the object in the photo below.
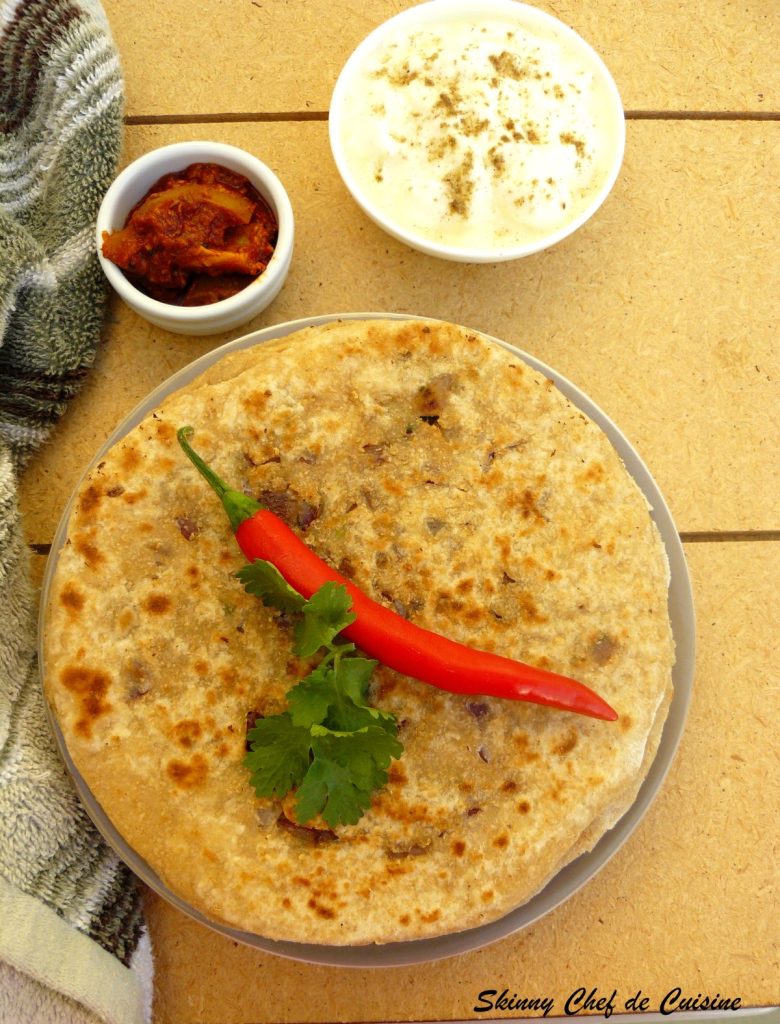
pixel 330 746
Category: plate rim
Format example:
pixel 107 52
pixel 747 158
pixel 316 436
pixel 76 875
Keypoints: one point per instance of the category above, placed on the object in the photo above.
pixel 574 875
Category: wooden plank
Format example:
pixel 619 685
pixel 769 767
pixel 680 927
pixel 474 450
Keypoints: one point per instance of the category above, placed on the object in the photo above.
pixel 269 55
pixel 664 308
pixel 694 887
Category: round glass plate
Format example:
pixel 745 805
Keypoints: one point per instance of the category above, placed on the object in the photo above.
pixel 570 878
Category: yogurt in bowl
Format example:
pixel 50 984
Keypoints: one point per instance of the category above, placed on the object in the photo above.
pixel 477 130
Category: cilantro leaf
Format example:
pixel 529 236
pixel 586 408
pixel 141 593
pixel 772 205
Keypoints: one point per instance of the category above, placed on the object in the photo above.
pixel 325 614
pixel 263 580
pixel 349 717
pixel 280 755
pixel 310 699
pixel 329 790
pixel 334 696
pixel 353 675
pixel 351 712
pixel 346 768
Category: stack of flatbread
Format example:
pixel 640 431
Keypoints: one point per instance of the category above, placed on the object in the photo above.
pixel 451 482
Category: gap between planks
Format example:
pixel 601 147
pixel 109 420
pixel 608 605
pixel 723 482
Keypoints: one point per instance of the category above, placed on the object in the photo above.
pixel 228 117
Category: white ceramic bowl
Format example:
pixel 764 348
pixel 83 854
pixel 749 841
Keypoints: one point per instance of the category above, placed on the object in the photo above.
pixel 132 185
pixel 352 140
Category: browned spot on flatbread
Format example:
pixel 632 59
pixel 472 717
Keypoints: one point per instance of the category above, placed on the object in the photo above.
pixel 458 847
pixel 510 786
pixel 396 774
pixel 90 686
pixel 256 401
pixel 164 431
pixel 89 551
pixel 495 478
pixel 157 604
pixel 131 458
pixel 556 790
pixel 72 598
pixel 566 743
pixel 125 619
pixel 529 609
pixel 131 497
pixel 625 721
pixel 523 744
pixel 90 499
pixel 504 546
pixel 321 909
pixel 592 474
pixel 398 868
pixel 445 602
pixel 524 807
pixel 501 842
pixel 474 614
pixel 487 895
pixel 286 903
pixel 231 680
pixel 188 774
pixel 526 504
pixel 404 919
pixel 187 732
pixel 429 918
pixel 201 668
pixel 394 806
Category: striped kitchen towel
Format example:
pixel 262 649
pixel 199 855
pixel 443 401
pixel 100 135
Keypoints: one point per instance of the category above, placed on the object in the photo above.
pixel 72 940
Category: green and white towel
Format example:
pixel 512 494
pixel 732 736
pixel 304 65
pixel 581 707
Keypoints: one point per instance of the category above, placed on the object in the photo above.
pixel 72 940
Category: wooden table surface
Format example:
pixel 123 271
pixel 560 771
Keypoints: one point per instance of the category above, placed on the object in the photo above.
pixel 664 309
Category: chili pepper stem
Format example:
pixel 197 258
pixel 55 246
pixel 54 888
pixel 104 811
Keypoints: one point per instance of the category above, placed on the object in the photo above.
pixel 238 506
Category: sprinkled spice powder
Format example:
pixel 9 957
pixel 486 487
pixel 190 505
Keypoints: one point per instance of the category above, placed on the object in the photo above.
pixel 460 186
pixel 508 65
pixel 569 139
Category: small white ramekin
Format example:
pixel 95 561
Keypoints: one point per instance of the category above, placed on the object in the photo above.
pixel 132 185
pixel 432 13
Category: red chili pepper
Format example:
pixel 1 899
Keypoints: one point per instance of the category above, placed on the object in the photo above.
pixel 382 633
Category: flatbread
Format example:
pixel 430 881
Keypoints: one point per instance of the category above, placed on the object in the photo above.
pixel 451 482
